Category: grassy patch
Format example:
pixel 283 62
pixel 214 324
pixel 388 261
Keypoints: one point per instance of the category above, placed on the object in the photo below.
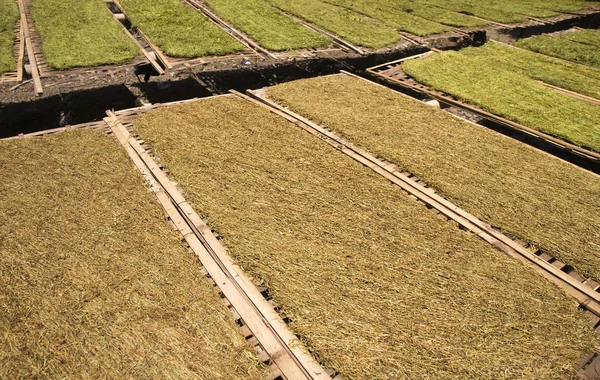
pixel 437 14
pixel 540 199
pixel 584 80
pixel 179 30
pixel 9 16
pixel 589 37
pixel 349 25
pixel 584 49
pixel 512 11
pixel 510 94
pixel 267 25
pixel 375 284
pixel 95 283
pixel 487 10
pixel 392 14
pixel 80 33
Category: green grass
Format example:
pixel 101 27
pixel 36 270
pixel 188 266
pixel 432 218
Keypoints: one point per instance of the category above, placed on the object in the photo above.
pixel 267 25
pixel 375 284
pixel 437 14
pixel 95 283
pixel 487 10
pixel 512 11
pixel 9 16
pixel 510 94
pixel 525 192
pixel 179 30
pixel 391 13
pixel 583 49
pixel 581 79
pixel 346 24
pixel 80 33
pixel 587 36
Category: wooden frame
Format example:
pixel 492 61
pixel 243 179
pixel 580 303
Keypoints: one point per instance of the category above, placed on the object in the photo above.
pixel 35 73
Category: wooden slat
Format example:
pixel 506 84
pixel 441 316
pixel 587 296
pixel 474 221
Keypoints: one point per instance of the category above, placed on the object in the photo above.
pixel 21 55
pixel 151 59
pixel 159 54
pixel 35 74
pixel 335 38
pixel 583 293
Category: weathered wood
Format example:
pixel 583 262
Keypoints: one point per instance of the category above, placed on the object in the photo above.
pixel 146 54
pixel 159 53
pixel 35 73
pixel 21 56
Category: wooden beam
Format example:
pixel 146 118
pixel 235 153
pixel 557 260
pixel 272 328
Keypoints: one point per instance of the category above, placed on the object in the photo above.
pixel 573 94
pixel 151 59
pixel 159 54
pixel 35 74
pixel 21 56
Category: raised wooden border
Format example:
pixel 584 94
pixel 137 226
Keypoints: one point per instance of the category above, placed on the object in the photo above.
pixel 21 55
pixel 35 73
pixel 159 69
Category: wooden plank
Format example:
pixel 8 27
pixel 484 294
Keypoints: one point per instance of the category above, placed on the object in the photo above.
pixel 151 59
pixel 399 61
pixel 264 322
pixel 583 293
pixel 21 56
pixel 592 370
pixel 159 54
pixel 35 74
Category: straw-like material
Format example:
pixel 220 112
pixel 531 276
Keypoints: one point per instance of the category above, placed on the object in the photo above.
pixel 527 193
pixel 95 283
pixel 510 94
pixel 512 11
pixel 375 284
